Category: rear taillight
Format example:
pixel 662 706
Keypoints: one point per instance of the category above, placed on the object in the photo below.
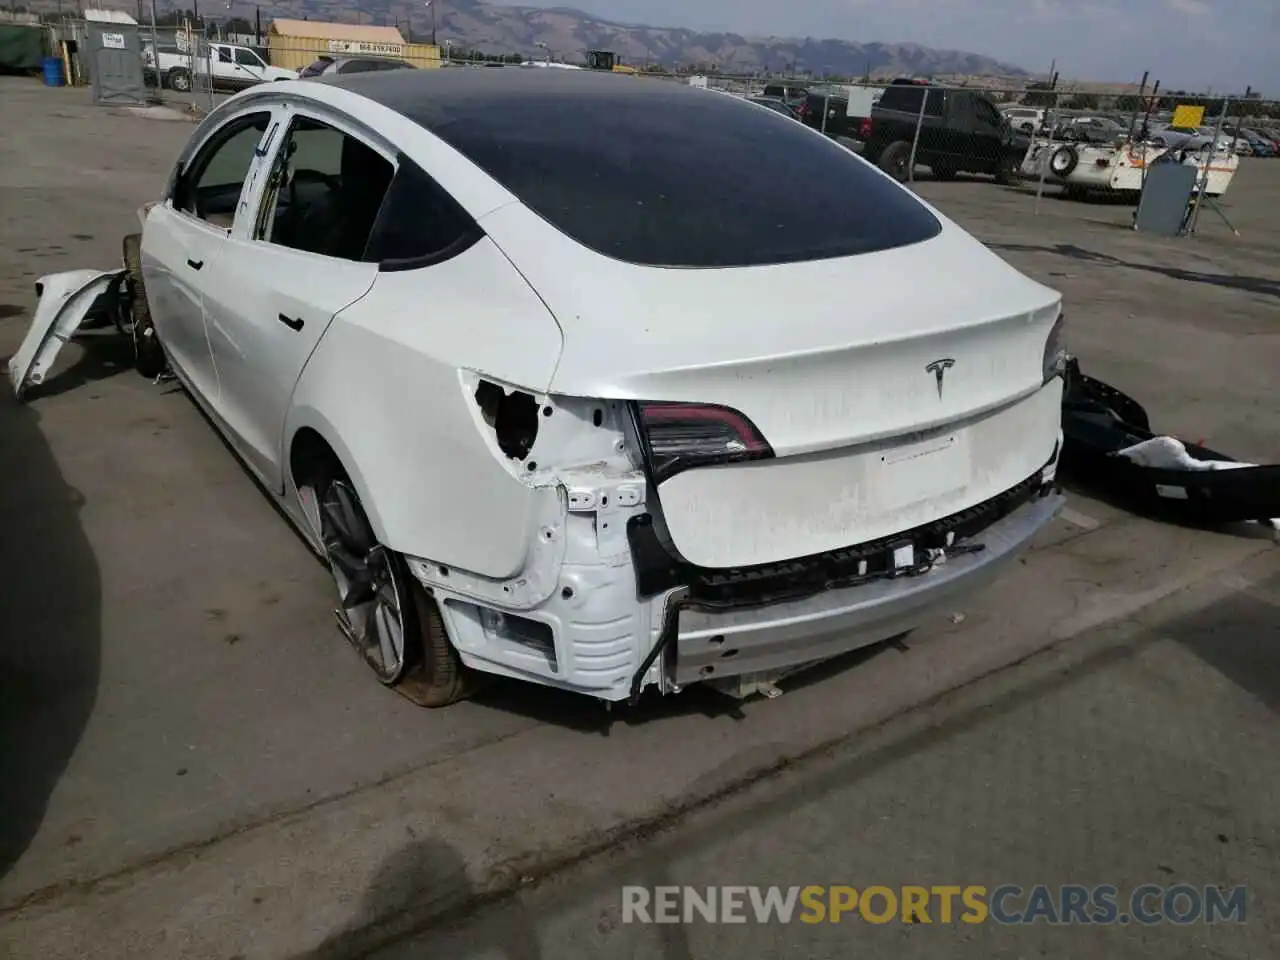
pixel 864 129
pixel 678 436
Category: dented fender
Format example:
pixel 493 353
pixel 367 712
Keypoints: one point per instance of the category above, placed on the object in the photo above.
pixel 66 300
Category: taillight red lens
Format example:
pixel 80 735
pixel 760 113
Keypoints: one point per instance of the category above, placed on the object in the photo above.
pixel 864 129
pixel 683 435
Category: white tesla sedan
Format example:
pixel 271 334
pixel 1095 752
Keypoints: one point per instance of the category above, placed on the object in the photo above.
pixel 564 388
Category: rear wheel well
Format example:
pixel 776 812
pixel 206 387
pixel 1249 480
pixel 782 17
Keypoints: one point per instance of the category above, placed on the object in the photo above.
pixel 312 459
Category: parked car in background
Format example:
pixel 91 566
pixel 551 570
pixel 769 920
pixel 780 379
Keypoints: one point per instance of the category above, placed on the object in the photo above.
pixel 396 296
pixel 841 111
pixel 234 67
pixel 1089 130
pixel 327 66
pixel 777 106
pixel 1026 119
pixel 795 96
pixel 961 130
pixel 1193 138
pixel 1259 144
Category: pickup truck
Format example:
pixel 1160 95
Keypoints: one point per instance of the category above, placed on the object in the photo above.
pixel 961 131
pixel 234 67
pixel 847 110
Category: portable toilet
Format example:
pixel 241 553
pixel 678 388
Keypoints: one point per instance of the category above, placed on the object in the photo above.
pixel 113 56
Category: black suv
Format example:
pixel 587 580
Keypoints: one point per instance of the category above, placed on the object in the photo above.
pixel 961 131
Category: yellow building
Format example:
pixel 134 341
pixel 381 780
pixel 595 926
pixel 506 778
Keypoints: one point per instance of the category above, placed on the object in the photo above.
pixel 294 44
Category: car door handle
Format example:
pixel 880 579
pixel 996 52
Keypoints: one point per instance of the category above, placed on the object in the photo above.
pixel 195 264
pixel 291 323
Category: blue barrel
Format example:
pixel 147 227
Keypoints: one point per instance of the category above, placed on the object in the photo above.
pixel 52 67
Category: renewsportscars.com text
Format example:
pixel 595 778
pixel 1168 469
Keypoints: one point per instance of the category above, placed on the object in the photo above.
pixel 1009 904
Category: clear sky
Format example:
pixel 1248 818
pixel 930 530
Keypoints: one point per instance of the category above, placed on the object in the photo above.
pixel 1186 44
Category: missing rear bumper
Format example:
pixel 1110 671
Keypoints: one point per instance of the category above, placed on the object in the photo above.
pixel 711 644
pixel 762 622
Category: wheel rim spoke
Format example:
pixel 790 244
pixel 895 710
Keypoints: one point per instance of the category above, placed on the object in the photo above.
pixel 390 637
pixel 365 580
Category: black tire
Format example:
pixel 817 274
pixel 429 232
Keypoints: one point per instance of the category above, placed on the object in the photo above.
pixel 1006 174
pixel 896 160
pixel 148 355
pixel 437 678
pixel 943 171
pixel 179 79
pixel 430 673
pixel 1064 160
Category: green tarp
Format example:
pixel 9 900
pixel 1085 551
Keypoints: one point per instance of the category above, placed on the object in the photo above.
pixel 21 47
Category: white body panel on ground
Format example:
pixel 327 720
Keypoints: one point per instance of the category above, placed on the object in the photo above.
pixel 65 302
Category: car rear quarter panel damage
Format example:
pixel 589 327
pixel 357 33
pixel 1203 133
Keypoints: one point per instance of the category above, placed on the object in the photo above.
pixel 388 388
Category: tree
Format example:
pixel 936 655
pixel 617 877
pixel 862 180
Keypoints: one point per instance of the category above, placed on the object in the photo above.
pixel 1040 94
pixel 1082 101
pixel 1128 103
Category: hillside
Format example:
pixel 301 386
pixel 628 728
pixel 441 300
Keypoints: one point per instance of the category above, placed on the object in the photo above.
pixel 567 33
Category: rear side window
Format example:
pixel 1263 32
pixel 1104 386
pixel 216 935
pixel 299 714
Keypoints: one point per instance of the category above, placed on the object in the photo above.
pixel 906 97
pixel 316 68
pixel 418 224
pixel 359 66
pixel 683 178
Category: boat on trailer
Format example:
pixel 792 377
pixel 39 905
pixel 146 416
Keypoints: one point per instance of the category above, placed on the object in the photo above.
pixel 1120 167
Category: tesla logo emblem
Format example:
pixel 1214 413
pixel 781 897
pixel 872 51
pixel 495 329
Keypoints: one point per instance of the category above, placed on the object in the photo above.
pixel 939 370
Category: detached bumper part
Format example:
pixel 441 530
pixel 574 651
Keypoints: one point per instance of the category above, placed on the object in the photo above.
pixel 66 301
pixel 1111 446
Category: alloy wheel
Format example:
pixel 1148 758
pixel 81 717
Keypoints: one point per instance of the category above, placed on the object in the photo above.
pixel 371 595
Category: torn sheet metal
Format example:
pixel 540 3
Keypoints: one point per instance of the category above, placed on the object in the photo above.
pixel 66 301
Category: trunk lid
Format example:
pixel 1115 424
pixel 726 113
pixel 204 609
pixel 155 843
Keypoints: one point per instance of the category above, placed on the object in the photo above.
pixel 843 365
pixel 818 355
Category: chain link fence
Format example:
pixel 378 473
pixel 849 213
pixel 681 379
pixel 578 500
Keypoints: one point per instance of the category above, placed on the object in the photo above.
pixel 1081 146
pixel 180 68
pixel 1086 148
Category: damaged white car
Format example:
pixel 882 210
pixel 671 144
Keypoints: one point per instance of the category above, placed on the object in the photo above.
pixel 563 388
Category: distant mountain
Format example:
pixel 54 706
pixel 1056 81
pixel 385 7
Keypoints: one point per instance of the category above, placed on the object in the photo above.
pixel 567 33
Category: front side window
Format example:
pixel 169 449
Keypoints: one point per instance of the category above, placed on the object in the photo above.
pixel 247 58
pixel 324 192
pixel 209 187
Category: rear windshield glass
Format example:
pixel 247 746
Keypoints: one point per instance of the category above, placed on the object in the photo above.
pixel 688 178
